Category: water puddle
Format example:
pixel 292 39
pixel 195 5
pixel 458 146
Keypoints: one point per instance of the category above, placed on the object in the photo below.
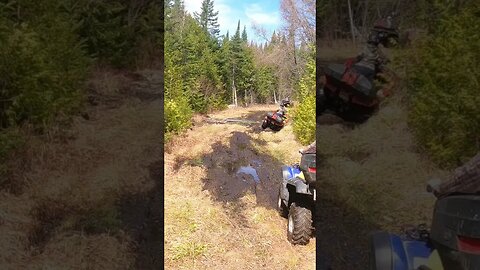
pixel 250 171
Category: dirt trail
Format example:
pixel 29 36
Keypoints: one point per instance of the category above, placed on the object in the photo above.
pixel 373 177
pixel 90 193
pixel 216 218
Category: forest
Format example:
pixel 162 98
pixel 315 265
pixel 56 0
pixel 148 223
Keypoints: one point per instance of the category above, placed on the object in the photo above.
pixel 205 71
pixel 51 48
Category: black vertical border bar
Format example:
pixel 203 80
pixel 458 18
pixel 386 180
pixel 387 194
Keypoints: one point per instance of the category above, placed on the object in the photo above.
pixel 319 261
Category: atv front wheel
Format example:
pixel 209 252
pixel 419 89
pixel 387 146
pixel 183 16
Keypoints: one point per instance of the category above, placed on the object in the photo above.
pixel 299 228
pixel 264 124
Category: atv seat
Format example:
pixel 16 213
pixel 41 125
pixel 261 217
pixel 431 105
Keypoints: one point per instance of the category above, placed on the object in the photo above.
pixel 308 167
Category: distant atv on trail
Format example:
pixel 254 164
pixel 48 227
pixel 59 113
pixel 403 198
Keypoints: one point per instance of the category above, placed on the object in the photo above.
pixel 278 119
pixel 297 195
pixel 350 90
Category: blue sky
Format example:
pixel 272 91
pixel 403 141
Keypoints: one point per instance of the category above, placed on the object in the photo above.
pixel 265 13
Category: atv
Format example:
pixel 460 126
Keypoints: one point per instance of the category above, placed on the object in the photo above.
pixel 274 120
pixel 350 94
pixel 453 242
pixel 296 198
pixel 278 119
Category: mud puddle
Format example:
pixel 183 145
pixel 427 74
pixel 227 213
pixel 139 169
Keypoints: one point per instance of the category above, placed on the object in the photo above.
pixel 248 170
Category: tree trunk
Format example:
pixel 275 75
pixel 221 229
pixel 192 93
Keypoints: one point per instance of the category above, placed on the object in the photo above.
pixel 234 89
pixel 235 96
pixel 365 14
pixel 351 22
pixel 245 98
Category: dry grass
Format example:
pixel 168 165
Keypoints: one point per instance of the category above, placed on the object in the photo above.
pixel 204 232
pixel 69 214
pixel 378 168
pixel 374 176
pixel 376 180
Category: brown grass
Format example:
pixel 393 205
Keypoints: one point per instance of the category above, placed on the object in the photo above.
pixel 68 215
pixel 376 177
pixel 381 157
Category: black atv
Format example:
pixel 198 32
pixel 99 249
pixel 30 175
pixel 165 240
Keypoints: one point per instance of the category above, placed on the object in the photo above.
pixel 296 198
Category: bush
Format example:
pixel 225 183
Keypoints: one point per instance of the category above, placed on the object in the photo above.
pixel 43 70
pixel 304 120
pixel 177 115
pixel 443 78
pixel 304 116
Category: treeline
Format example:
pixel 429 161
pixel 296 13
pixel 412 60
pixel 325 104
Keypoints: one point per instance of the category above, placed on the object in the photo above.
pixel 48 48
pixel 348 19
pixel 205 71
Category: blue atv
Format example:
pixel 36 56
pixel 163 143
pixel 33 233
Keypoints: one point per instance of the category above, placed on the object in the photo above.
pixel 296 198
pixel 453 242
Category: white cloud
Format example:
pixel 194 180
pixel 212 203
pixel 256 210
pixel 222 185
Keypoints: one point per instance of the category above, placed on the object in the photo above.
pixel 248 15
pixel 193 5
pixel 256 14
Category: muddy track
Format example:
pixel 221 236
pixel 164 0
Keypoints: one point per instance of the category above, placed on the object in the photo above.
pixel 234 170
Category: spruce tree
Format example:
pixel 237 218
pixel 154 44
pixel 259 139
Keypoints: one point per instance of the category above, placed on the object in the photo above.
pixel 208 18
pixel 244 34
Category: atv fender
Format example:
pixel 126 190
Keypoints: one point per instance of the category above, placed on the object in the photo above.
pixel 300 186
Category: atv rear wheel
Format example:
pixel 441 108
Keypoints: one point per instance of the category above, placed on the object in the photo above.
pixel 299 229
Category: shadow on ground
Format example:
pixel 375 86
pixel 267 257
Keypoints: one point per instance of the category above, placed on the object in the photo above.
pixel 142 217
pixel 342 232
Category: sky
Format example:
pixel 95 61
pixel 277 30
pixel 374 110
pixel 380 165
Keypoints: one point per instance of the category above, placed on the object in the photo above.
pixel 265 13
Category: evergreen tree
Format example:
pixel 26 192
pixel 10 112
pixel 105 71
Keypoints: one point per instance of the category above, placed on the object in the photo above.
pixel 274 38
pixel 208 18
pixel 244 35
pixel 226 37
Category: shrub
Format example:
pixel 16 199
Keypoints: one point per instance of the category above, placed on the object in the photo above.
pixel 177 115
pixel 43 70
pixel 304 116
pixel 443 79
pixel 304 120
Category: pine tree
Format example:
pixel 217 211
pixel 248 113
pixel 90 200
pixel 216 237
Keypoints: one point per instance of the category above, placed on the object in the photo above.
pixel 244 34
pixel 227 36
pixel 237 45
pixel 274 38
pixel 208 18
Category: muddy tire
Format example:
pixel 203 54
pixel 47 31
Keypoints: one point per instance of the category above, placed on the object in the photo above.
pixel 264 124
pixel 299 229
pixel 281 207
pixel 276 128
